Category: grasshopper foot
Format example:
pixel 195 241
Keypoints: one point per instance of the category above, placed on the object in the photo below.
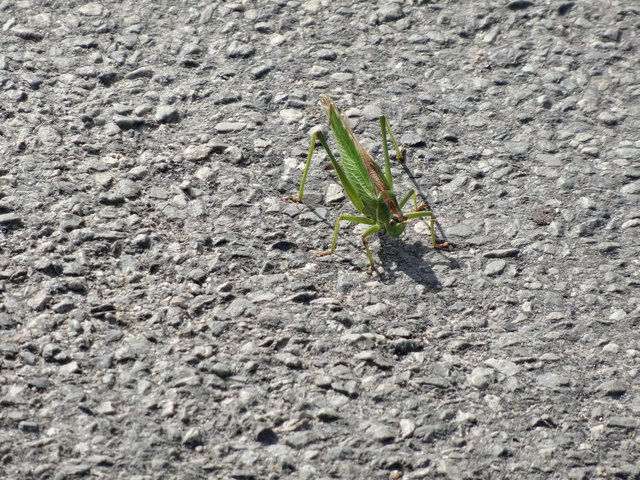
pixel 291 198
pixel 369 271
pixel 324 253
pixel 421 207
pixel 443 246
pixel 401 153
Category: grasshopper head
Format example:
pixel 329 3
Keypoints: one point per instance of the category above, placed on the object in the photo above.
pixel 327 104
pixel 395 227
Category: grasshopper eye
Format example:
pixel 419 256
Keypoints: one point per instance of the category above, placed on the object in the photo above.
pixel 393 221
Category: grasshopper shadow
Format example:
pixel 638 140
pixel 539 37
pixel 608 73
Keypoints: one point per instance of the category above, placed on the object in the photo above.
pixel 420 193
pixel 410 257
pixel 414 259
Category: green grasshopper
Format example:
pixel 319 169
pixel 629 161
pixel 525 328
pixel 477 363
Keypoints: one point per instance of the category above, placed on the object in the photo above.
pixel 369 190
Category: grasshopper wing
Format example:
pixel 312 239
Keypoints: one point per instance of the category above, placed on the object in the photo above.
pixel 352 155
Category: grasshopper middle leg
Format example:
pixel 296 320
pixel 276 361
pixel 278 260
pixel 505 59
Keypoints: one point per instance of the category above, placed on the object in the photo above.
pixel 362 220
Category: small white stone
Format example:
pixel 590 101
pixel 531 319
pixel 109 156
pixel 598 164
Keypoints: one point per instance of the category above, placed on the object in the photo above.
pixel 291 115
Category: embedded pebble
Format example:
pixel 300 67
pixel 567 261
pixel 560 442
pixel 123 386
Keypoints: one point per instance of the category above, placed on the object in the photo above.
pixel 380 433
pixel 167 114
pixel 226 127
pixel 197 153
pixel 612 388
pixel 290 115
pixel 495 268
pixel 10 218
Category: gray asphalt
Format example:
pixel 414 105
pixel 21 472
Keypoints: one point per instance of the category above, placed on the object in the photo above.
pixel 163 311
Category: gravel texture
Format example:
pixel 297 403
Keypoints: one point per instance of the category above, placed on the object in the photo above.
pixel 164 315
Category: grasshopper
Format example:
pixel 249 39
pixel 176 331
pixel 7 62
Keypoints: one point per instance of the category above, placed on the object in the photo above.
pixel 369 190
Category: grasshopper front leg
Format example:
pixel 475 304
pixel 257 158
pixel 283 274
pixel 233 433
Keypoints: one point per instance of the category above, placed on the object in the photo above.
pixel 362 220
pixel 432 228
